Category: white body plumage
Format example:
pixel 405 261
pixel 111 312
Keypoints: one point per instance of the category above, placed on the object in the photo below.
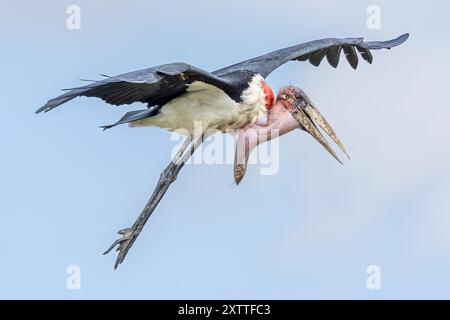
pixel 205 107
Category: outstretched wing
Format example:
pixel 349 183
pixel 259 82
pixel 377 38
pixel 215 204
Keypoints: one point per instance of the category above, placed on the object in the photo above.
pixel 314 51
pixel 155 86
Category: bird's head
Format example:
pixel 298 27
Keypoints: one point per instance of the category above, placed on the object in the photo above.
pixel 307 116
pixel 293 110
pixel 293 99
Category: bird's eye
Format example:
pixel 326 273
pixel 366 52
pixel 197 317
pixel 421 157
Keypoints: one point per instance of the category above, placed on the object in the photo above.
pixel 298 96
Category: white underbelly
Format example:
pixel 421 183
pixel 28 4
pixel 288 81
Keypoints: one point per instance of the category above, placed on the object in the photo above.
pixel 203 107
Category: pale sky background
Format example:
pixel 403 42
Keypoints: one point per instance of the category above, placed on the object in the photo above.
pixel 309 231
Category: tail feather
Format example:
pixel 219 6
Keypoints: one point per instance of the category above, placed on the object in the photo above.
pixel 134 116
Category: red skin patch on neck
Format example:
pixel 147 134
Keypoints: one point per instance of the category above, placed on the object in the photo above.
pixel 270 97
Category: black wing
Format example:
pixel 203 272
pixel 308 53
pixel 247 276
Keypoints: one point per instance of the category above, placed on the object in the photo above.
pixel 314 51
pixel 155 86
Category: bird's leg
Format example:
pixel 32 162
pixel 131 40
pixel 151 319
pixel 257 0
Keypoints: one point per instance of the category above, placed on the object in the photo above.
pixel 168 176
pixel 182 149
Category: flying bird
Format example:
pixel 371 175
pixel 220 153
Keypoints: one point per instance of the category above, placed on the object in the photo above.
pixel 180 96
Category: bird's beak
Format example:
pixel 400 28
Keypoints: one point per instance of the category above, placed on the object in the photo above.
pixel 309 117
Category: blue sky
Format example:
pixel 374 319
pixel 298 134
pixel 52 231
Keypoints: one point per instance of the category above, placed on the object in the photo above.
pixel 309 231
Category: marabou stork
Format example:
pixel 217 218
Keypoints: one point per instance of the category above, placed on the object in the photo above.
pixel 236 97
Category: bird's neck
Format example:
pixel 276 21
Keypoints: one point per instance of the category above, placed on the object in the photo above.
pixel 279 121
pixel 275 123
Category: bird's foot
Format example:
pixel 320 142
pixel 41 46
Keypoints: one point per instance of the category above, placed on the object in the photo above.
pixel 123 244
